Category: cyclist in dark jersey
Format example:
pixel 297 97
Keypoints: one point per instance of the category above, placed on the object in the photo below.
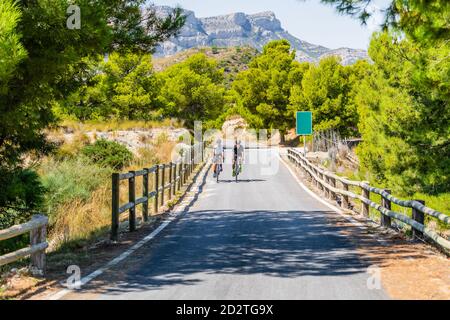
pixel 238 154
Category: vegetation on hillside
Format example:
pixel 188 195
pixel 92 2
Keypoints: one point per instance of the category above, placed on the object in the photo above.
pixel 192 90
pixel 264 88
pixel 398 103
pixel 403 100
pixel 36 72
pixel 404 115
pixel 424 22
pixel 42 63
pixel 231 59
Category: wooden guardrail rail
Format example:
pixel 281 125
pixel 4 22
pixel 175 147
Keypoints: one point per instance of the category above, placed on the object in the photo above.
pixel 37 227
pixel 326 182
pixel 177 175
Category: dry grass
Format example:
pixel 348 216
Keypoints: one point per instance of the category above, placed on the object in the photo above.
pixel 73 147
pixel 164 150
pixel 115 125
pixel 79 219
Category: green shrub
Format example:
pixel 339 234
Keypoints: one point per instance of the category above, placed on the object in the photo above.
pixel 108 154
pixel 24 194
pixel 71 179
pixel 18 202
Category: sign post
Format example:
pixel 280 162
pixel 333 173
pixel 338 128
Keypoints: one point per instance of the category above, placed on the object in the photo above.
pixel 303 125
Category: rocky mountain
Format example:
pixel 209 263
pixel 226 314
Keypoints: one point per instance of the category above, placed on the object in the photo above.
pixel 240 29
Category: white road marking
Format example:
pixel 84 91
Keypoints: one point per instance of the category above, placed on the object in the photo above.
pixel 335 209
pixel 181 208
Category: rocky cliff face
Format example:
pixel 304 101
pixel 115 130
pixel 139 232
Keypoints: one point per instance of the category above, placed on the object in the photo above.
pixel 239 29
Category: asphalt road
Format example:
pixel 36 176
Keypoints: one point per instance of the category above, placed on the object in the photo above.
pixel 261 238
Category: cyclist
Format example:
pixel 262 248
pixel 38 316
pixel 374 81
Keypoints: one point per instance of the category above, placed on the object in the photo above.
pixel 238 155
pixel 218 157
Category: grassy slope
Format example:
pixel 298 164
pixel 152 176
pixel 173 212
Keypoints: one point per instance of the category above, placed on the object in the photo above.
pixel 85 207
pixel 78 201
pixel 231 59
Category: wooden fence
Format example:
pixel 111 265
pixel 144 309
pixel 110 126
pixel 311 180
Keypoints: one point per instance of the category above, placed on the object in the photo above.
pixel 168 179
pixel 327 182
pixel 37 227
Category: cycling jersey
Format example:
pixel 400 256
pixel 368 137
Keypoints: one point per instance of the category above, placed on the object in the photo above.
pixel 218 153
pixel 238 151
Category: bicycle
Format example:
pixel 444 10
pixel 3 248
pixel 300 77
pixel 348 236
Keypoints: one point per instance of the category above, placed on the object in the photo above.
pixel 237 167
pixel 217 170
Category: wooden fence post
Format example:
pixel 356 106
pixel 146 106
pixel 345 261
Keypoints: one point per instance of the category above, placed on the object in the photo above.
pixel 366 194
pixel 203 151
pixel 174 190
pixel 37 236
pixel 344 203
pixel 115 206
pixel 319 176
pixel 180 175
pixel 155 203
pixel 193 155
pixel 420 218
pixel 163 181
pixel 145 194
pixel 186 172
pixel 193 158
pixel 327 191
pixel 132 199
pixel 310 176
pixel 186 176
pixel 189 162
pixel 319 185
pixel 170 180
pixel 386 220
pixel 333 184
pixel 314 179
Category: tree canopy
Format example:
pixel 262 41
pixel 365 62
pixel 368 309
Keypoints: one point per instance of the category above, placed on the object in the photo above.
pixel 193 90
pixel 122 87
pixel 397 102
pixel 264 88
pixel 424 21
pixel 42 61
pixel 326 89
pixel 404 115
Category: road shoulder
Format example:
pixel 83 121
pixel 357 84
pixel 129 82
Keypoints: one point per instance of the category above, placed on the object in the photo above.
pixel 409 270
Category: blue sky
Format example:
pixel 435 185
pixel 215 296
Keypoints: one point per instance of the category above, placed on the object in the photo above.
pixel 308 20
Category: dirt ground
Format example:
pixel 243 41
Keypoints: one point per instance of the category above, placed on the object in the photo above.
pixel 19 284
pixel 409 269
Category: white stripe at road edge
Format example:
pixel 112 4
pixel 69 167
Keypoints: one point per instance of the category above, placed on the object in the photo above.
pixel 335 209
pixel 58 295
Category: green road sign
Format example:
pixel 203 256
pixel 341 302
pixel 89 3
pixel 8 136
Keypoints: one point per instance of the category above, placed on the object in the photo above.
pixel 303 123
